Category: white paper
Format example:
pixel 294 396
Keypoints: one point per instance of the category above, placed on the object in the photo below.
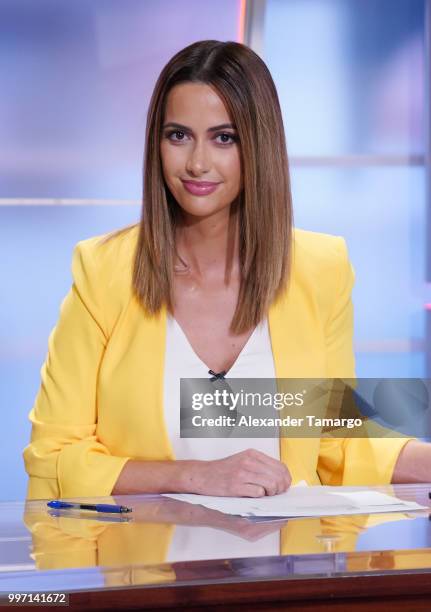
pixel 304 501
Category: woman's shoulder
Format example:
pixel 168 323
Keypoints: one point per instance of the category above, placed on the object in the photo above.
pixel 102 266
pixel 318 246
pixel 107 256
pixel 321 266
pixel 113 247
pixel 317 252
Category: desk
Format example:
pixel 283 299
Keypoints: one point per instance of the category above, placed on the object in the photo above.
pixel 173 554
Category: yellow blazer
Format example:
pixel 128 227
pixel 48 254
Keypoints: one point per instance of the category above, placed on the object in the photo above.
pixel 101 398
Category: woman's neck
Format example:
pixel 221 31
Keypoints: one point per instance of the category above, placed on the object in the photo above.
pixel 208 246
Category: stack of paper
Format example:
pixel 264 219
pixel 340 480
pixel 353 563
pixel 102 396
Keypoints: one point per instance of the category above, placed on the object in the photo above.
pixel 304 502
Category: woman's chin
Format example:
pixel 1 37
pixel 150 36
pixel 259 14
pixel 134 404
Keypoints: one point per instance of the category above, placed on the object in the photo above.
pixel 201 208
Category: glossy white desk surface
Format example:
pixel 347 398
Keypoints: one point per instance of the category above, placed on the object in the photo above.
pixel 164 541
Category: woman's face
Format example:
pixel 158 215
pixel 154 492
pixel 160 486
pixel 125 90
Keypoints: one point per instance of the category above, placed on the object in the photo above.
pixel 200 145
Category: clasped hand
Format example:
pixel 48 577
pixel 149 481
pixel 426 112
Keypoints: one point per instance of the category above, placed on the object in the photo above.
pixel 249 473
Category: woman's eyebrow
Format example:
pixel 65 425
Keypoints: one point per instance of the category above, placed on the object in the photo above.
pixel 211 129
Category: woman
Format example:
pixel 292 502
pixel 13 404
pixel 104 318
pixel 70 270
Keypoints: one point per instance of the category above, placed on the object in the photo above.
pixel 212 280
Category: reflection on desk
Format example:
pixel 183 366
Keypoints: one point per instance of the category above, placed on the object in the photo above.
pixel 168 541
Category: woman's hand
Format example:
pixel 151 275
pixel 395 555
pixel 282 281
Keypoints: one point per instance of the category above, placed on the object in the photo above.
pixel 249 473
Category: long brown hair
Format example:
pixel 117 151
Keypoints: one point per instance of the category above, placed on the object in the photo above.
pixel 245 85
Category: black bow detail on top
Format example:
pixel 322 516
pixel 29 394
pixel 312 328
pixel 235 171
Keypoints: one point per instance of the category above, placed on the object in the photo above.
pixel 216 376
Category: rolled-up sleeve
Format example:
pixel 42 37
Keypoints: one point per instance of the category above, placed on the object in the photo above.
pixel 64 457
pixel 351 461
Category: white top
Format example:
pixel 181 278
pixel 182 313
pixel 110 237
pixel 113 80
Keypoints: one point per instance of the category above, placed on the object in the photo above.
pixel 254 361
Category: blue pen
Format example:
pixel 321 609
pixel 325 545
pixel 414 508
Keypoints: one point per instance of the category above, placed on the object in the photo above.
pixel 61 505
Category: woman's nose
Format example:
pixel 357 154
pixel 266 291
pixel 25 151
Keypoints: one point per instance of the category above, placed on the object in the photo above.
pixel 199 159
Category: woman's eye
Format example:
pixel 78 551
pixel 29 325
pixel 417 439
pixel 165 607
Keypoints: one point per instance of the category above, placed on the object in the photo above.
pixel 175 132
pixel 230 138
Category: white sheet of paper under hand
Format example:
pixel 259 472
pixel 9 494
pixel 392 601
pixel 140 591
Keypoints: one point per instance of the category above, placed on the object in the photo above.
pixel 303 501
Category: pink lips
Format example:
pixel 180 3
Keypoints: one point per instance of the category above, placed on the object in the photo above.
pixel 200 188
